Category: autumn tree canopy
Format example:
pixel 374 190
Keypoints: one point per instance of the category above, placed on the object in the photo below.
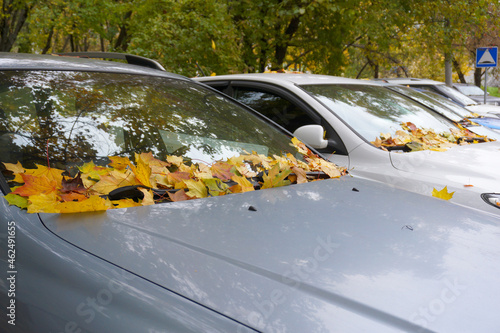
pixel 199 37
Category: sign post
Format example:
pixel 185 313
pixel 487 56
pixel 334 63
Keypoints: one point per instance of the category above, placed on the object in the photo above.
pixel 486 57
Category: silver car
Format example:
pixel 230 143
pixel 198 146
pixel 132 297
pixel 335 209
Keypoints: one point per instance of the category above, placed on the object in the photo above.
pixel 353 114
pixel 326 255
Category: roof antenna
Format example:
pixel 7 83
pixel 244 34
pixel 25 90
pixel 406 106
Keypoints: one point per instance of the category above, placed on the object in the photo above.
pixel 201 70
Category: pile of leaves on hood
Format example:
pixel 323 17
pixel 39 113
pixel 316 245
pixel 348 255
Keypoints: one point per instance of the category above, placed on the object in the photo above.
pixel 412 138
pixel 150 180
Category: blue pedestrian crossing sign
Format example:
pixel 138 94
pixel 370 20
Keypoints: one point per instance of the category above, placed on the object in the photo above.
pixel 487 56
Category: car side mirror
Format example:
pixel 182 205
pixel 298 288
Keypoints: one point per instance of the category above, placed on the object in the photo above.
pixel 312 135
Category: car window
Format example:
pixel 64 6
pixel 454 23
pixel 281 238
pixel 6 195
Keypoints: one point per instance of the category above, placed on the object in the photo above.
pixel 69 118
pixel 372 110
pixel 273 106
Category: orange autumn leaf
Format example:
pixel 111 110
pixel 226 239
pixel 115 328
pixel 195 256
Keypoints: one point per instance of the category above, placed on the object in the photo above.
pixel 72 196
pixel 222 170
pixel 35 185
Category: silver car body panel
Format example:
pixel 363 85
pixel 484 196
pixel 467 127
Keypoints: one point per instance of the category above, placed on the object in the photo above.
pixel 302 263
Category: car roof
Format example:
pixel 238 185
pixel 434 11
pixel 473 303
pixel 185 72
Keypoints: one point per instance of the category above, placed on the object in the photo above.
pixel 24 61
pixel 280 78
pixel 410 81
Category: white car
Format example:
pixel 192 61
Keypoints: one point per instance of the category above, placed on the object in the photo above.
pixel 487 110
pixel 349 115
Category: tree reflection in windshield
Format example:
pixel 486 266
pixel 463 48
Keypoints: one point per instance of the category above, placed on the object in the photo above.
pixel 371 110
pixel 73 117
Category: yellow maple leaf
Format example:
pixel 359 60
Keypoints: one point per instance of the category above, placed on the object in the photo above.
pixel 243 185
pixel 92 204
pixel 50 173
pixel 43 203
pixel 125 203
pixel 118 162
pixel 196 188
pixel 175 160
pixel 443 194
pixel 114 180
pixel 148 197
pixel 15 168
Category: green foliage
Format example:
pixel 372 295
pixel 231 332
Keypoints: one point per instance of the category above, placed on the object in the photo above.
pixel 365 39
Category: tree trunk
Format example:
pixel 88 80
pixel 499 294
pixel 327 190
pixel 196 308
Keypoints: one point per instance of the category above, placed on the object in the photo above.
pixel 447 69
pixel 461 75
pixel 282 46
pixel 11 22
pixel 49 41
pixel 478 74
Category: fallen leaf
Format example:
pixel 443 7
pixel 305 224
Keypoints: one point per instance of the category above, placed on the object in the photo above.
pixel 443 194
pixel 92 204
pixel 196 188
pixel 178 196
pixel 16 200
pixel 35 185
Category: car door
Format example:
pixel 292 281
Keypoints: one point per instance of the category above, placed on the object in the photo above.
pixel 284 108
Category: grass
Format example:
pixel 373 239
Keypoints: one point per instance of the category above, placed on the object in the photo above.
pixel 493 91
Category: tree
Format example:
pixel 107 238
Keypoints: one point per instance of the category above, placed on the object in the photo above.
pixel 12 19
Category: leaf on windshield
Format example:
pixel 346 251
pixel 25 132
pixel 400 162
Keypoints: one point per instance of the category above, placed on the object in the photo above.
pixel 46 190
pixel 443 194
pixel 412 138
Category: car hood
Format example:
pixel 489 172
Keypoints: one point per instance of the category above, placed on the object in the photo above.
pixel 344 255
pixel 489 122
pixel 484 109
pixel 473 164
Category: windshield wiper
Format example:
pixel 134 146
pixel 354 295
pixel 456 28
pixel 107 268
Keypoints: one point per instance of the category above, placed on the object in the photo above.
pixel 134 192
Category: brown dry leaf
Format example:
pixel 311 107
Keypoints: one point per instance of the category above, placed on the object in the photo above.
pixel 178 196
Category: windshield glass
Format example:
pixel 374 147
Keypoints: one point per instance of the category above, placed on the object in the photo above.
pixel 457 95
pixel 70 118
pixel 435 102
pixel 469 90
pixel 372 110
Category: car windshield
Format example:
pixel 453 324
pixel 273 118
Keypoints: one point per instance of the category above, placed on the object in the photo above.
pixel 435 102
pixel 372 110
pixel 470 90
pixel 457 95
pixel 69 118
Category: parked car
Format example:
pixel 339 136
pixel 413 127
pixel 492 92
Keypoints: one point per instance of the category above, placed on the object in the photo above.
pixel 456 96
pixel 355 115
pixel 332 255
pixel 476 93
pixel 489 126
